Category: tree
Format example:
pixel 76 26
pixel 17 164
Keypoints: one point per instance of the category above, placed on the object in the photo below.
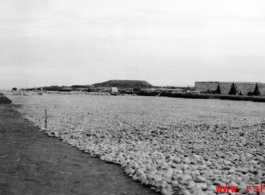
pixel 14 89
pixel 233 90
pixel 256 91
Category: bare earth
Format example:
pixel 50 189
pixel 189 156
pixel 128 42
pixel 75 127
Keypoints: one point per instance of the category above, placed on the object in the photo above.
pixel 32 163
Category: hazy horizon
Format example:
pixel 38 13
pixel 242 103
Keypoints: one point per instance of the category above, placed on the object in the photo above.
pixel 67 42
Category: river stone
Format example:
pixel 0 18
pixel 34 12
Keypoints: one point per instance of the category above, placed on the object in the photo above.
pixel 199 179
pixel 226 168
pixel 252 192
pixel 191 184
pixel 176 176
pixel 232 170
pixel 246 178
pixel 198 191
pixel 218 183
pixel 184 179
pixel 226 162
pixel 176 171
pixel 202 167
pixel 181 166
pixel 108 159
pixel 225 180
pixel 158 178
pixel 177 160
pixel 256 180
pixel 262 193
pixel 209 192
pixel 167 190
pixel 186 160
pixel 242 170
pixel 203 186
pixel 211 188
pixel 184 192
pixel 196 172
pixel 175 184
pixel 232 183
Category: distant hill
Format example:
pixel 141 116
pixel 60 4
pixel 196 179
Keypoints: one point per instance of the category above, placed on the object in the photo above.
pixel 124 84
pixel 135 84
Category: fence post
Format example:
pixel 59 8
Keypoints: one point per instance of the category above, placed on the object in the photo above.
pixel 45 119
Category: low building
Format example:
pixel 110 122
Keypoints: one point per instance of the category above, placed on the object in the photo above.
pixel 242 88
pixel 114 91
pixel 206 87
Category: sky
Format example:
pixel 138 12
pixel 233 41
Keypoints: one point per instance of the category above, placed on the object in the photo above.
pixel 165 42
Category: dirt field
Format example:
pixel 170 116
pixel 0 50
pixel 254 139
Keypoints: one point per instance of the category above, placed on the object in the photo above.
pixel 32 163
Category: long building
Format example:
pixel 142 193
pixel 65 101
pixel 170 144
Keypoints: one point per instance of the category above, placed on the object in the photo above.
pixel 213 87
pixel 231 88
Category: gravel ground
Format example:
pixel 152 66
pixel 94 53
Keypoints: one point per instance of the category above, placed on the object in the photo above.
pixel 32 163
pixel 175 146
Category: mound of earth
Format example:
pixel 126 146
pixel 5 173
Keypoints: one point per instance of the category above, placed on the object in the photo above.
pixel 124 84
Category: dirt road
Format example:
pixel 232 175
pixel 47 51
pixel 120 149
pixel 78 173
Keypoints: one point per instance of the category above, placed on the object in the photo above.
pixel 32 163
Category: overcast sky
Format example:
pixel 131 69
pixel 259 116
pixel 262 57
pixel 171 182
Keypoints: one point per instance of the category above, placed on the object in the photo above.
pixel 165 42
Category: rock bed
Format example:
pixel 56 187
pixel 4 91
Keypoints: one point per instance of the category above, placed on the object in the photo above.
pixel 174 146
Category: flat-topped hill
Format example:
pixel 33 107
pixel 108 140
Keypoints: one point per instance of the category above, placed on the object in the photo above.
pixel 124 84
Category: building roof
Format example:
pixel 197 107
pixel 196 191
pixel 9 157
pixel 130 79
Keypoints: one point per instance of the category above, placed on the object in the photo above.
pixel 225 87
pixel 245 88
pixel 206 86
